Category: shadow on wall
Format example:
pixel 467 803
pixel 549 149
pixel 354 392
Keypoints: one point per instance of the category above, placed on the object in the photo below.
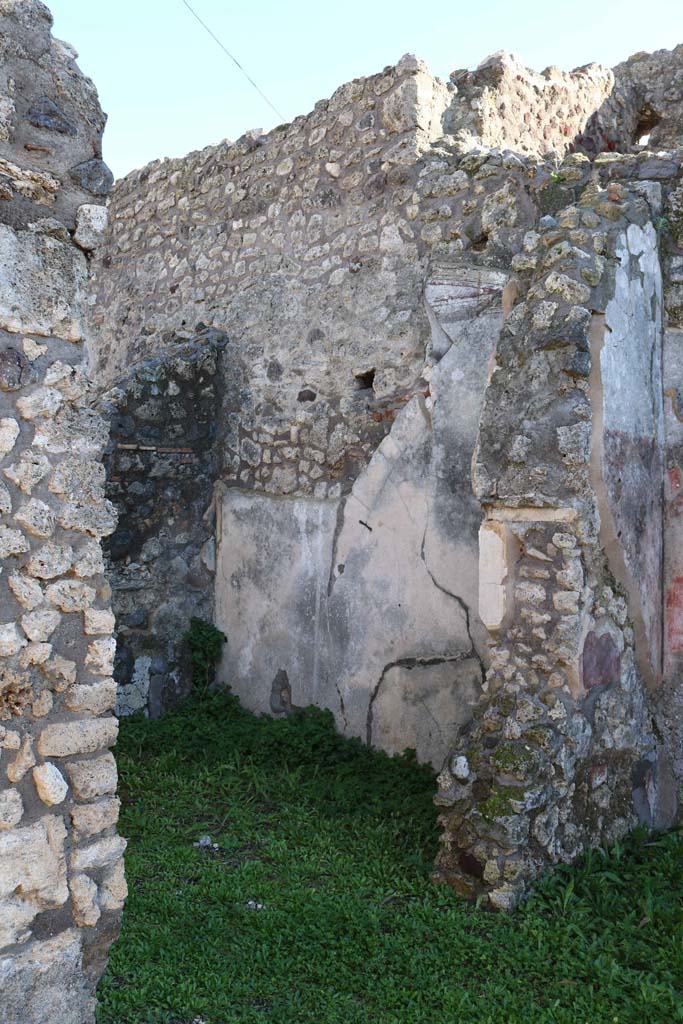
pixel 162 462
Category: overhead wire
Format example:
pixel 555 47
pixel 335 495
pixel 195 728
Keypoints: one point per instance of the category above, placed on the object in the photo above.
pixel 234 60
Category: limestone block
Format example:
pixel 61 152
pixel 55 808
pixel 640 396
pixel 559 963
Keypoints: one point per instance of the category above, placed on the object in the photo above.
pixel 44 981
pixel 28 471
pixel 71 381
pixel 98 621
pixel 98 520
pixel 12 542
pixel 80 479
pixel 91 779
pixel 84 901
pixel 61 672
pixel 31 184
pixel 11 641
pixel 28 592
pixel 10 739
pixel 9 432
pixel 40 624
pixel 88 560
pixel 5 500
pixel 100 854
pixel 62 739
pixel 100 656
pixel 11 809
pixel 91 223
pixel 50 784
pixel 73 430
pixel 42 402
pixel 32 349
pixel 70 595
pixel 36 517
pixel 97 698
pixel 51 560
pixel 41 284
pixel 493 574
pixel 32 875
pixel 42 705
pixel 113 891
pixel 35 654
pixel 24 761
pixel 89 819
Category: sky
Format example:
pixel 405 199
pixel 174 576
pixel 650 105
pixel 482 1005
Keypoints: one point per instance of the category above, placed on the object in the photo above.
pixel 168 88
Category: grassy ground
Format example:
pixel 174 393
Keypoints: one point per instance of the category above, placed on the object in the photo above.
pixel 317 907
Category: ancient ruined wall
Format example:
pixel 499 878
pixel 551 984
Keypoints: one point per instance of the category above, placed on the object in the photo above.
pixel 562 752
pixel 501 103
pixel 438 439
pixel 652 87
pixel 358 285
pixel 355 261
pixel 61 868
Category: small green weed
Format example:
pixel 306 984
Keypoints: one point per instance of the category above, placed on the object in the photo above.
pixel 205 642
pixel 315 906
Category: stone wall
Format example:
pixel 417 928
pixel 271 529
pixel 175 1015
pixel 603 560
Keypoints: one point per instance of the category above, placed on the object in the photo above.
pixel 161 466
pixel 438 438
pixel 562 752
pixel 361 303
pixel 61 869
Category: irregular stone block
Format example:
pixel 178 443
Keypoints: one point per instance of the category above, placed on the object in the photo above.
pixel 98 621
pixel 84 900
pixel 11 809
pixel 11 641
pixel 45 113
pixel 51 560
pixel 9 432
pixel 45 981
pixel 12 542
pixel 62 739
pixel 91 223
pixel 113 891
pixel 97 698
pixel 70 595
pixel 91 779
pixel 41 285
pixel 94 176
pixel 24 760
pixel 100 656
pixel 50 783
pixel 89 819
pixel 32 876
pixel 40 624
pixel 36 517
pixel 99 854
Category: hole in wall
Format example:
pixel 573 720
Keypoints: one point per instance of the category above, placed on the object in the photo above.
pixel 647 118
pixel 306 395
pixel 365 381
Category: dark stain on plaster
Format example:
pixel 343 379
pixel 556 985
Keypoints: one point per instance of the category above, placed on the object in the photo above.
pixel 281 694
pixel 601 661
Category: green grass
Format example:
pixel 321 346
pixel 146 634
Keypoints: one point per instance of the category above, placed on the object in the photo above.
pixel 335 843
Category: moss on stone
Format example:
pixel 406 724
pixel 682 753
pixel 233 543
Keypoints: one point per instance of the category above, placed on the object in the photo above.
pixel 511 759
pixel 500 801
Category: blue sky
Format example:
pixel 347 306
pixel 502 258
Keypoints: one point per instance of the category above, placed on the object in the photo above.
pixel 168 88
